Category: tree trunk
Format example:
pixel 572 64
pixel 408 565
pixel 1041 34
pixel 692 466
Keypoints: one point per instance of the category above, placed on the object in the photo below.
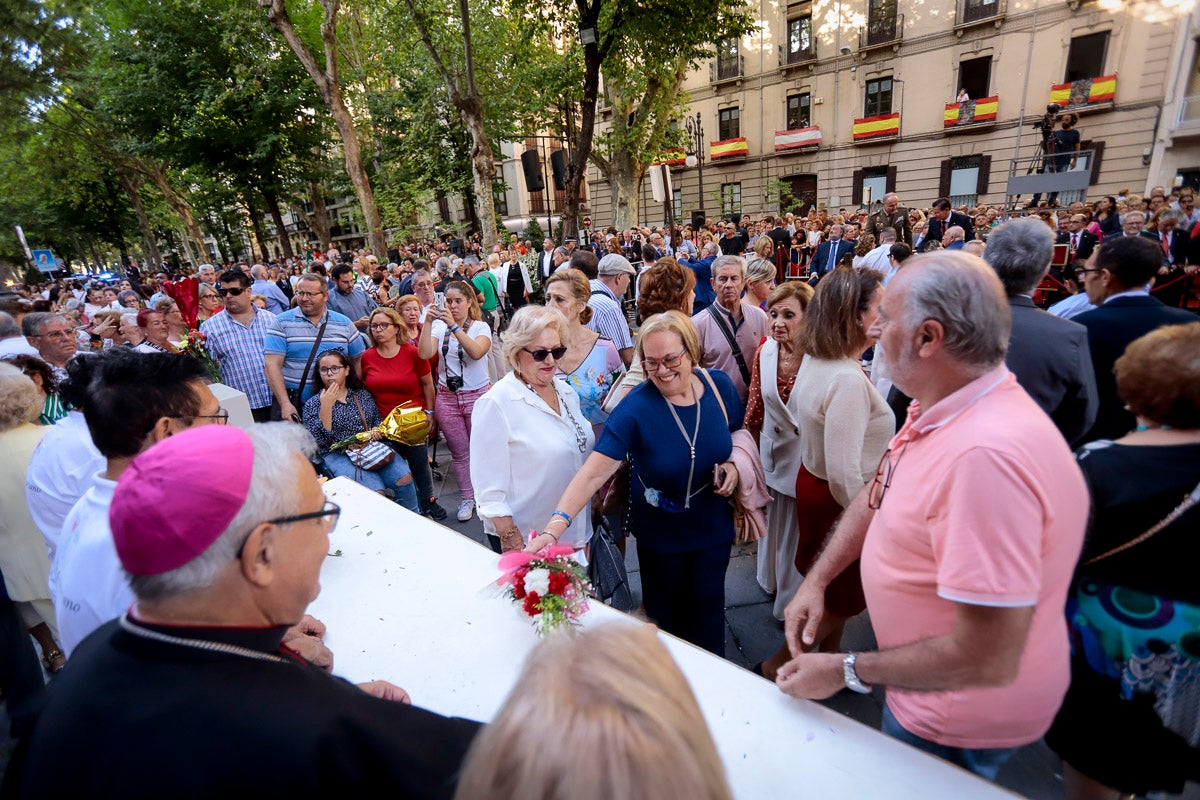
pixel 285 241
pixel 471 209
pixel 181 207
pixel 585 134
pixel 256 225
pixel 484 170
pixel 625 181
pixel 150 246
pixel 326 80
pixel 318 220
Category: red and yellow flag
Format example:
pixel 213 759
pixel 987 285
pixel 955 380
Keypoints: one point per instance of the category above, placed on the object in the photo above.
pixel 1085 91
pixel 968 111
pixel 874 127
pixel 729 147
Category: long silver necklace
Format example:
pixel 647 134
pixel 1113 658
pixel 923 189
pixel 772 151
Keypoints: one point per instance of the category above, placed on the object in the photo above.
pixel 198 644
pixel 691 443
pixel 580 436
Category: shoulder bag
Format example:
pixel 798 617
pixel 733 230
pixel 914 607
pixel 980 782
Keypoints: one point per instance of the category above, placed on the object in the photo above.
pixel 1189 501
pixel 733 345
pixel 370 455
pixel 297 395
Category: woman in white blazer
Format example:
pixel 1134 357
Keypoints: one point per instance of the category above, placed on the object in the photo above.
pixel 771 417
pixel 515 298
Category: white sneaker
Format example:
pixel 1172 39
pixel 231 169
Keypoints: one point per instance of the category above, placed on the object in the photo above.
pixel 466 510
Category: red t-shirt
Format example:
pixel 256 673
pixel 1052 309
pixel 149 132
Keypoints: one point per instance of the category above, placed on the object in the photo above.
pixel 392 381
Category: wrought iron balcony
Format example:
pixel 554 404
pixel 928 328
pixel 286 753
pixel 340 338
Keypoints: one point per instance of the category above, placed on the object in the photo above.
pixel 726 67
pixel 789 57
pixel 971 12
pixel 881 30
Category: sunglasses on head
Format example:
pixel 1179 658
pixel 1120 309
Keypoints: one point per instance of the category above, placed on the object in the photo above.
pixel 540 354
pixel 221 290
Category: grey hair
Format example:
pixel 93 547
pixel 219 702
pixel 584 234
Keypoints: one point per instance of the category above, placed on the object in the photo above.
pixel 258 272
pixel 887 235
pixel 1170 214
pixel 20 400
pixel 560 251
pixel 8 326
pixel 443 265
pixel 1019 251
pixel 725 261
pixel 527 325
pixel 709 249
pixel 273 493
pixel 955 232
pixel 962 293
pixel 33 323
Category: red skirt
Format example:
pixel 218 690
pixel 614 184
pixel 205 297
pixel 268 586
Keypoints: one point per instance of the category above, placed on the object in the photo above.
pixel 816 514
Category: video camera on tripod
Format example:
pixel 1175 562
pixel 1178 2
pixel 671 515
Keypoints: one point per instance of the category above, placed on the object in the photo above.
pixel 1046 123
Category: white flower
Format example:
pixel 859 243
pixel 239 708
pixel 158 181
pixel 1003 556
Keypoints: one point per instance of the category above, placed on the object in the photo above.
pixel 537 580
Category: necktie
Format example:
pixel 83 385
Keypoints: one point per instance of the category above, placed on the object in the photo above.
pixel 1166 245
pixel 1074 242
pixel 832 257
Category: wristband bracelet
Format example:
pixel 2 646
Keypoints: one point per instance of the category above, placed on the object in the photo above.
pixel 564 515
pixel 453 329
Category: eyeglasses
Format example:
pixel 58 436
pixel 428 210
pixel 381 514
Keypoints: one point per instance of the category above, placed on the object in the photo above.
pixel 235 291
pixel 309 294
pixel 1082 272
pixel 330 370
pixel 219 418
pixel 540 354
pixel 381 326
pixel 670 362
pixel 883 477
pixel 330 509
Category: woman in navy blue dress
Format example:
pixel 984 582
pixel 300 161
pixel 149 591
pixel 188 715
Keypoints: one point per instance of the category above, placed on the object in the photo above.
pixel 676 429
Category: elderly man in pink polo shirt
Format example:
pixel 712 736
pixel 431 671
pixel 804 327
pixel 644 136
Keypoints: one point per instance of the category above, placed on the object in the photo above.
pixel 968 535
pixel 730 330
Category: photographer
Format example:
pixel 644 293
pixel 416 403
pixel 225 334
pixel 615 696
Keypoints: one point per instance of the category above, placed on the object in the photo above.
pixel 1061 146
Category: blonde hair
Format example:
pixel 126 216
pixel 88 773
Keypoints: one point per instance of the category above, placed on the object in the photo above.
pixel 760 270
pixel 527 325
pixel 403 334
pixel 675 322
pixel 623 722
pixel 762 245
pixel 493 261
pixel 578 284
pixel 20 400
pixel 404 300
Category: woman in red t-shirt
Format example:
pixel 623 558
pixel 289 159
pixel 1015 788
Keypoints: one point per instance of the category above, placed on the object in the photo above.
pixel 394 374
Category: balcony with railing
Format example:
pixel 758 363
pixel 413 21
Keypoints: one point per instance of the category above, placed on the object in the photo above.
pixel 726 67
pixel 977 12
pixel 1187 121
pixel 882 30
pixel 791 58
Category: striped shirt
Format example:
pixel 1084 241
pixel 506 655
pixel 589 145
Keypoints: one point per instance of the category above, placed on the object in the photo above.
pixel 292 336
pixel 607 317
pixel 239 349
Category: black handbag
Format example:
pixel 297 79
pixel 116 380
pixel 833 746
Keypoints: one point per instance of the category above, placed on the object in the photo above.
pixel 606 569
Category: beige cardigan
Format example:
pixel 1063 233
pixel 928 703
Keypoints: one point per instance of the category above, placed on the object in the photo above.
pixel 845 424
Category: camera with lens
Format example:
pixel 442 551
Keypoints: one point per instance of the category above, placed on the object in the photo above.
pixel 454 382
pixel 1046 123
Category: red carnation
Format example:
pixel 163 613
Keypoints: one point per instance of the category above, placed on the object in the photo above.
pixel 558 582
pixel 531 604
pixel 519 586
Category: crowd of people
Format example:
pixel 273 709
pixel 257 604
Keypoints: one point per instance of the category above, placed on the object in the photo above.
pixel 873 397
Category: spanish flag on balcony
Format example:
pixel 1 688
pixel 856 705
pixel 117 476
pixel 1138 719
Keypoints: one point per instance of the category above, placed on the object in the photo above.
pixel 1085 91
pixel 729 147
pixel 797 138
pixel 874 127
pixel 982 110
pixel 672 157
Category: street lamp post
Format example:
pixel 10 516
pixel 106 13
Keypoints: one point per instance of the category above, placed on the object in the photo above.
pixel 696 158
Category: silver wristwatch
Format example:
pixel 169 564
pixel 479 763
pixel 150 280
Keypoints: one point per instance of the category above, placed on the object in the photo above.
pixel 851 677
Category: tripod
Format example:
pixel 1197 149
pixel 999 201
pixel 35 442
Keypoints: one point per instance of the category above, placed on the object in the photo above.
pixel 1038 163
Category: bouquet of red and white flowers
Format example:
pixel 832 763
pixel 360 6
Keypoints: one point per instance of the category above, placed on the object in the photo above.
pixel 194 344
pixel 550 586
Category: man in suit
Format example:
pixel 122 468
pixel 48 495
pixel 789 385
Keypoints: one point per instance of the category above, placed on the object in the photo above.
pixel 940 219
pixel 891 215
pixel 545 260
pixel 830 252
pixel 1173 245
pixel 1049 356
pixel 1080 242
pixel 1115 280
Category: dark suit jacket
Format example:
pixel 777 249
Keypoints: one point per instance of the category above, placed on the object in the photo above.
pixel 1052 362
pixel 936 229
pixel 820 261
pixel 545 265
pixel 1111 328
pixel 1087 243
pixel 1179 245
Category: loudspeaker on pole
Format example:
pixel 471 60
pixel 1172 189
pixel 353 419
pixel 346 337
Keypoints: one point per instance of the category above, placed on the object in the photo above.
pixel 533 172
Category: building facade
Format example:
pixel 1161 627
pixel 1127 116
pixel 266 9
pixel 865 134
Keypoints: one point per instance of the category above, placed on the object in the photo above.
pixel 840 101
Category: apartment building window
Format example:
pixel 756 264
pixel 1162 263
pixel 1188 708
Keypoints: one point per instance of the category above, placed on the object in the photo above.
pixel 799 111
pixel 1085 58
pixel 879 97
pixel 964 179
pixel 799 39
pixel 974 10
pixel 731 199
pixel 729 124
pixel 728 58
pixel 879 180
pixel 881 21
pixel 974 75
pixel 677 203
pixel 500 195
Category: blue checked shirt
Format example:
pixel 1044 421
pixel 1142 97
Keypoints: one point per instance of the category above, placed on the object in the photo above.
pixel 239 350
pixel 292 335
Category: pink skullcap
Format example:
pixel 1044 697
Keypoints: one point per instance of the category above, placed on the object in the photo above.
pixel 176 498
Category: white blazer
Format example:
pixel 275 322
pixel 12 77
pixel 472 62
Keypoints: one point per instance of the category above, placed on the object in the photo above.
pixel 779 442
pixel 501 273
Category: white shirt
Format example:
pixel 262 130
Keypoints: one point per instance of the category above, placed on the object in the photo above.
pixel 456 361
pixel 877 258
pixel 60 471
pixel 17 346
pixel 523 455
pixel 87 584
pixel 1073 306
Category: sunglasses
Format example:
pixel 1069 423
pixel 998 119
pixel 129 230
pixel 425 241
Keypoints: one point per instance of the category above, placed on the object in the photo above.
pixel 236 291
pixel 540 354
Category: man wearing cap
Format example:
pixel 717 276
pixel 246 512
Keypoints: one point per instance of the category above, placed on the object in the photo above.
pixel 608 319
pixel 195 690
pixel 133 400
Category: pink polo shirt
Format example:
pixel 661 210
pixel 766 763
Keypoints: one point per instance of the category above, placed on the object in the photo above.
pixel 987 507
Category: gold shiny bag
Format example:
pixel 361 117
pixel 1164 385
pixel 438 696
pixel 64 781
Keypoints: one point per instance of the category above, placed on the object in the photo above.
pixel 407 424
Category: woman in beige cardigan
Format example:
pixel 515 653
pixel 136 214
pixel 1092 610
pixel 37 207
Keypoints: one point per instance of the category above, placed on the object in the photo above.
pixel 845 426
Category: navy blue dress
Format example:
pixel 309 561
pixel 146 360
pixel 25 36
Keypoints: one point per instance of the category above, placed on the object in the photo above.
pixel 683 552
